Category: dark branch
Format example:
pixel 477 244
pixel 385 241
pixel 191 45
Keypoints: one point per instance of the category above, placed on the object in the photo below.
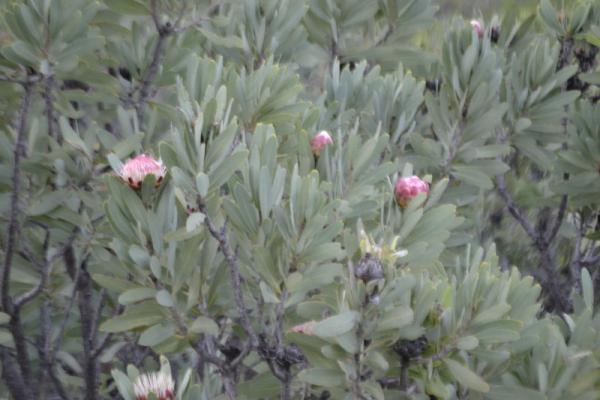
pixel 562 208
pixel 13 223
pixel 234 270
pixel 22 375
pixel 517 213
pixel 49 102
pixel 164 30
pixel 45 268
pixel 12 376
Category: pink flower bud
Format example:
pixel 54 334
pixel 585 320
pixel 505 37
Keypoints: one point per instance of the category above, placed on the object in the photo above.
pixel 409 187
pixel 135 170
pixel 477 27
pixel 306 328
pixel 319 142
pixel 159 384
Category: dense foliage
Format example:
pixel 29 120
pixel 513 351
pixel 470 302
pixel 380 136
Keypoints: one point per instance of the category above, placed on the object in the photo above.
pixel 167 202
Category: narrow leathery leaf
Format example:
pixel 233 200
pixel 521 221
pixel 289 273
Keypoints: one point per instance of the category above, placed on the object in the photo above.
pixel 322 377
pixel 156 334
pixel 466 377
pixel 337 324
pixel 467 343
pixel 164 298
pixel 587 287
pixel 204 325
pixel 135 295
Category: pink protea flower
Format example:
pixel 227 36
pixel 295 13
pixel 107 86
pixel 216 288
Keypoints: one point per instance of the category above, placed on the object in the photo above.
pixel 477 27
pixel 318 143
pixel 306 328
pixel 409 187
pixel 158 383
pixel 135 170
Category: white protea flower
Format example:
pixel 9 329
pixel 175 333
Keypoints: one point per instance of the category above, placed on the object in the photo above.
pixel 157 383
pixel 135 170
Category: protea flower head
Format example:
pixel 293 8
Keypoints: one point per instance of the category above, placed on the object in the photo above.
pixel 318 143
pixel 409 187
pixel 158 383
pixel 477 27
pixel 135 170
pixel 306 328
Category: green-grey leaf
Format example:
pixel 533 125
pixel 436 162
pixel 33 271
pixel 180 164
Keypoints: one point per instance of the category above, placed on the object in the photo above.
pixel 466 377
pixel 336 325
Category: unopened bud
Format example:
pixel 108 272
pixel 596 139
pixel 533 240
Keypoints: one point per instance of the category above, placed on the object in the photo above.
pixel 409 187
pixel 477 27
pixel 318 143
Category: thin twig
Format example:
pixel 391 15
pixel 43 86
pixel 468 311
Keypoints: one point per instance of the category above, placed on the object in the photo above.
pixel 205 17
pixel 49 103
pixel 516 212
pixel 46 268
pixel 205 349
pixel 386 36
pixel 562 208
pixel 56 345
pixel 163 30
pixel 234 270
pixel 279 315
pixel 575 263
pixel 86 315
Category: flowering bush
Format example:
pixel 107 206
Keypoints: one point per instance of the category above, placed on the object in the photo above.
pixel 437 239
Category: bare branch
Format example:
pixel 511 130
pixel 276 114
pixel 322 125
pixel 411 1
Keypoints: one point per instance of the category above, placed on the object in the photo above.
pixel 56 345
pixel 164 30
pixel 13 223
pixel 575 263
pixel 279 314
pixel 13 234
pixel 46 268
pixel 87 315
pixel 389 31
pixel 154 13
pixel 24 82
pixel 234 270
pixel 12 376
pixel 205 349
pixel 517 213
pixel 49 103
pixel 205 17
pixel 562 208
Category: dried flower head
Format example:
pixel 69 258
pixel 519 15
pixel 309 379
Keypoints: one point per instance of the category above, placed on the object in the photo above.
pixel 409 187
pixel 410 349
pixel 369 268
pixel 136 169
pixel 477 27
pixel 319 142
pixel 157 383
